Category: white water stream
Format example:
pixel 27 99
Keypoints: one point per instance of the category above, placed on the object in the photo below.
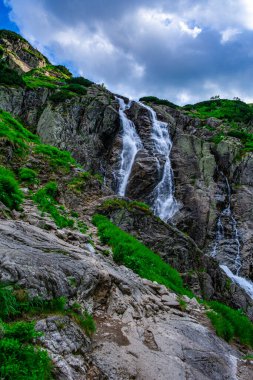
pixel 221 241
pixel 131 144
pixel 164 204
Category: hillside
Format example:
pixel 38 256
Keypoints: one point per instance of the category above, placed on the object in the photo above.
pixel 126 230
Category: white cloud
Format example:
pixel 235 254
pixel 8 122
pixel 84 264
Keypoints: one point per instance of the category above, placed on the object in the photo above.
pixel 181 50
pixel 193 32
pixel 229 35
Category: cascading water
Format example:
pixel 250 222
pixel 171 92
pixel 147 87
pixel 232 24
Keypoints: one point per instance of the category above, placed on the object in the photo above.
pixel 131 144
pixel 230 242
pixel 164 204
pixel 222 240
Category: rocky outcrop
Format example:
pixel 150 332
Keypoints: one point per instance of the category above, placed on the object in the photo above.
pixel 140 330
pixel 19 54
pixel 201 272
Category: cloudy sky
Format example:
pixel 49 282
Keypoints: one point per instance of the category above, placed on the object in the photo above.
pixel 184 50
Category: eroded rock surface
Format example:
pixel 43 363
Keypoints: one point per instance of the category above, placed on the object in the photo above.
pixel 141 333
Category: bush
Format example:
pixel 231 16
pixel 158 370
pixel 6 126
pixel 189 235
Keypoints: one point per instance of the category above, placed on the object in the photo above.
pixel 61 96
pixel 133 254
pixel 155 100
pixel 77 88
pixel 80 80
pixel 10 194
pixel 64 70
pixel 23 361
pixel 9 76
pixel 27 175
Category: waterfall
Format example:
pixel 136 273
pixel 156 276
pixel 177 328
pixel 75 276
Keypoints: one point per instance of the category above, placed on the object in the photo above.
pixel 245 284
pixel 164 204
pixel 131 144
pixel 222 241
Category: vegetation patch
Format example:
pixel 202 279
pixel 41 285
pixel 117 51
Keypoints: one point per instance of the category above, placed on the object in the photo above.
pixel 10 194
pixel 81 81
pixel 61 96
pixel 14 134
pixel 46 201
pixel 28 175
pixel 225 109
pixel 230 323
pixel 133 254
pixel 9 76
pixel 123 204
pixel 57 157
pixel 155 100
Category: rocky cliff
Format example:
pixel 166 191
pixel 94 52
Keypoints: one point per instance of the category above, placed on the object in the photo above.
pixel 58 253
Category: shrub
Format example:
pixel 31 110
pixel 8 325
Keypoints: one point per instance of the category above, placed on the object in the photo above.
pixel 155 100
pixel 27 175
pixel 10 194
pixel 80 80
pixel 64 70
pixel 77 88
pixel 8 302
pixel 61 96
pixel 9 76
pixel 23 361
pixel 133 254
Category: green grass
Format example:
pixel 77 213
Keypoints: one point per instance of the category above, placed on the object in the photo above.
pixel 28 175
pixel 230 323
pixel 14 134
pixel 10 194
pixel 225 109
pixel 46 201
pixel 58 158
pixel 133 254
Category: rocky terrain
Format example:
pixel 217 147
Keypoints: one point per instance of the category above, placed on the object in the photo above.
pixel 144 330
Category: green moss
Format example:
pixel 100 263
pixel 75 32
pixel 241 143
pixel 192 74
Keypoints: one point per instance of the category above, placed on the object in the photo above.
pixel 133 254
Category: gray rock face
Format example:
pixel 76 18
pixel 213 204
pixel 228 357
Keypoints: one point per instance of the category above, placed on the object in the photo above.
pixel 202 273
pixel 141 334
pixel 89 127
pixel 20 55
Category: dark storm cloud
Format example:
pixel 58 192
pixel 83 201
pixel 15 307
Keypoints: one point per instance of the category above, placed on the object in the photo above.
pixel 182 50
